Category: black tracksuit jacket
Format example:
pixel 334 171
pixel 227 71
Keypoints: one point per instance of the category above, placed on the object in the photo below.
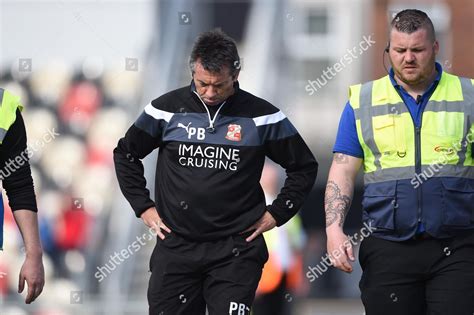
pixel 207 179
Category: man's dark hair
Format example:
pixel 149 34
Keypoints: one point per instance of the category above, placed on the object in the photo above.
pixel 411 20
pixel 215 50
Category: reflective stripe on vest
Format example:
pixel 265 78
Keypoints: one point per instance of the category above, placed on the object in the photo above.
pixel 385 130
pixel 8 106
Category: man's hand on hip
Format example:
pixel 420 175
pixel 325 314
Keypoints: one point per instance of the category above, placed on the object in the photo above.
pixel 339 249
pixel 152 219
pixel 265 223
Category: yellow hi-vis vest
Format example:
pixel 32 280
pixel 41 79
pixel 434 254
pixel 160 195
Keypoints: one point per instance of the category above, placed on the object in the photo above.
pixel 9 103
pixel 416 175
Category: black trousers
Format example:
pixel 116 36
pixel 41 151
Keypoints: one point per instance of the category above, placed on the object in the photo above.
pixel 418 277
pixel 187 276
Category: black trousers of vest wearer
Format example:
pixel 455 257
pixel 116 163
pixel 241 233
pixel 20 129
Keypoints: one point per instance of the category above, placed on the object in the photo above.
pixel 418 277
pixel 187 276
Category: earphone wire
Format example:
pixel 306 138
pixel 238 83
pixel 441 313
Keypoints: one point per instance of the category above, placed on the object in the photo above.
pixel 383 61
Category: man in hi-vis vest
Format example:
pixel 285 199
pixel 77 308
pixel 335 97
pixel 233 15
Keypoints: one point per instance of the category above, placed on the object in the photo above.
pixel 412 131
pixel 15 174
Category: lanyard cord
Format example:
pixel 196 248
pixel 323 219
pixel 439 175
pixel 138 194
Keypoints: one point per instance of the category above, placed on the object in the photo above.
pixel 210 128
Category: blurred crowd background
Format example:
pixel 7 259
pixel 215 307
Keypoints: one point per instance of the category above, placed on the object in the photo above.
pixel 84 71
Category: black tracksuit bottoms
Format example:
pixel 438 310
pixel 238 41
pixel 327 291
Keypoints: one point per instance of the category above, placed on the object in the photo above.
pixel 187 276
pixel 418 277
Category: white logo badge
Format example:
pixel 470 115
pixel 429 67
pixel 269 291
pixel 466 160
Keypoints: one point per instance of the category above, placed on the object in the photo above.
pixel 199 132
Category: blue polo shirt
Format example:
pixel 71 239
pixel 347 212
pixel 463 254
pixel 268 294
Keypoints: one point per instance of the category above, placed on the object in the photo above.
pixel 347 141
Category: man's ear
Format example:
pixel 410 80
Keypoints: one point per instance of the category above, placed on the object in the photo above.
pixel 236 76
pixel 436 47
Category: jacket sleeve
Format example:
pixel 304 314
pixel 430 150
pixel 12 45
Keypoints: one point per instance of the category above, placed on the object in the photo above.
pixel 15 166
pixel 142 138
pixel 285 146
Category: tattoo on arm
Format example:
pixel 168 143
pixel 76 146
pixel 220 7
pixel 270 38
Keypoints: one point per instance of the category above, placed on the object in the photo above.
pixel 336 203
pixel 340 158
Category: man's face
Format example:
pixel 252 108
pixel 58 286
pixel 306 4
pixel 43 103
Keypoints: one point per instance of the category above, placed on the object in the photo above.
pixel 412 56
pixel 213 88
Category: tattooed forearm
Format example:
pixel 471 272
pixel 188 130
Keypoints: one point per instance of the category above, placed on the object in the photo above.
pixel 340 158
pixel 336 203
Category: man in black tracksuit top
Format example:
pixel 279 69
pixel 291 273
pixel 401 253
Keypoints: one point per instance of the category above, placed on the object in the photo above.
pixel 210 208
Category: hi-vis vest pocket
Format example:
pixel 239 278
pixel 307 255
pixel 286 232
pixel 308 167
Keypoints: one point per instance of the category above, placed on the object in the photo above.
pixel 390 134
pixel 458 202
pixel 384 133
pixel 379 205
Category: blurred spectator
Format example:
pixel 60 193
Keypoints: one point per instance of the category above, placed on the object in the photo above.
pixel 70 139
pixel 282 275
pixel 80 104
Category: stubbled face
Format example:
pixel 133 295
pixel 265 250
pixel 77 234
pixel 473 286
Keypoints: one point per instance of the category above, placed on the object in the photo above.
pixel 412 56
pixel 213 88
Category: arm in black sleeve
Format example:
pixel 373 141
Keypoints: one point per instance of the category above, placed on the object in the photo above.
pixel 301 167
pixel 136 144
pixel 15 166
